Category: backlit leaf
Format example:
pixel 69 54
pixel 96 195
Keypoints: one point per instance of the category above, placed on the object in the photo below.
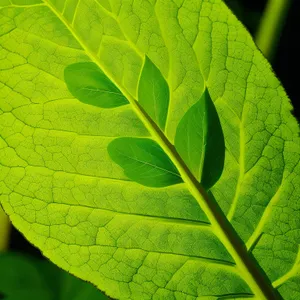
pixel 63 191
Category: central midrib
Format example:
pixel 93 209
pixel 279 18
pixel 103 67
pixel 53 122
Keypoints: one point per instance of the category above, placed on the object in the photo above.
pixel 245 263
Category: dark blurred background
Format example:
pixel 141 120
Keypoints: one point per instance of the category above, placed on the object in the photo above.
pixel 285 64
pixel 287 55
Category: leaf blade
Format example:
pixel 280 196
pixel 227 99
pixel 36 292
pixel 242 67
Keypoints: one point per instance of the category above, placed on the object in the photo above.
pixel 200 141
pixel 153 93
pixel 144 161
pixel 90 85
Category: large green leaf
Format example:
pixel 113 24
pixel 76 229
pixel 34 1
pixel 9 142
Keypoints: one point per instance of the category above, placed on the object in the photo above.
pixel 63 191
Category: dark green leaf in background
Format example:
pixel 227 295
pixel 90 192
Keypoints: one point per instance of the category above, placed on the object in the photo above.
pixel 18 273
pixel 26 278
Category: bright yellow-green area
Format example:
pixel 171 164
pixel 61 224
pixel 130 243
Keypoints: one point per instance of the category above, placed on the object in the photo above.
pixel 63 192
pixel 19 3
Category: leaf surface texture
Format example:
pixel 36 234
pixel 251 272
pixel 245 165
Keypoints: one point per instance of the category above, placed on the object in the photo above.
pixel 63 191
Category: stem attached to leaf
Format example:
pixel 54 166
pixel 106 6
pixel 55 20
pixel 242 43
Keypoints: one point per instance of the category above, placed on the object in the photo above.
pixel 245 262
pixel 4 231
pixel 271 25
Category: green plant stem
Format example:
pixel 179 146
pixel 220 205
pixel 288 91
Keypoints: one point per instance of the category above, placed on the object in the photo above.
pixel 4 231
pixel 271 26
pixel 254 276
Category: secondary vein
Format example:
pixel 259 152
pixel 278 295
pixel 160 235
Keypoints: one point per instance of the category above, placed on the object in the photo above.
pixel 253 275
